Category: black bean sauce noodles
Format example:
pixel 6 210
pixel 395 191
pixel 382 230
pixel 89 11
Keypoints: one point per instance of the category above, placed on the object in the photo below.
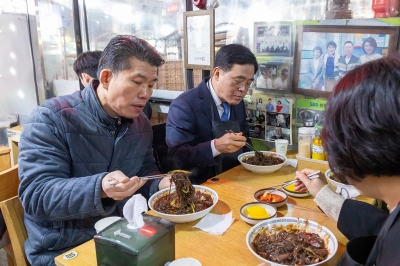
pixel 294 247
pixel 262 159
pixel 185 199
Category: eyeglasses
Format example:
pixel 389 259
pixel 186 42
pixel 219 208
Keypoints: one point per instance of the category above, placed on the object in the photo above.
pixel 239 84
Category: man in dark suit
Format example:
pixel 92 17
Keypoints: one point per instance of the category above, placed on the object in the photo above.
pixel 199 118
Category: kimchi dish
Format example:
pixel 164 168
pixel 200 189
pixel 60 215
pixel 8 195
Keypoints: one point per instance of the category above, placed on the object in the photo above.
pixel 185 199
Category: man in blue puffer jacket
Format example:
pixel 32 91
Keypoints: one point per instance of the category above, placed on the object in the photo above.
pixel 74 148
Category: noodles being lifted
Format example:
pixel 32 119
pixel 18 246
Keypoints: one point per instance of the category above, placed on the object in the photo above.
pixel 185 199
pixel 262 159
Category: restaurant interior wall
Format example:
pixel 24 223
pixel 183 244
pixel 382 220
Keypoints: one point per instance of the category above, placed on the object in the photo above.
pixel 18 88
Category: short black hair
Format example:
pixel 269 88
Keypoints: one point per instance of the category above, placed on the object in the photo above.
pixel 346 42
pixel 284 71
pixel 87 62
pixel 371 41
pixel 232 54
pixel 331 43
pixel 318 48
pixel 121 48
pixel 362 133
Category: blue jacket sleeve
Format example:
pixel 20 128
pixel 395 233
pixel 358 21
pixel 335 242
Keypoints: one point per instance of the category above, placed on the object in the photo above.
pixel 47 189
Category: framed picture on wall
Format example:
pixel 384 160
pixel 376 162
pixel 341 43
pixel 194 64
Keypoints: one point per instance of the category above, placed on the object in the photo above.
pixel 324 54
pixel 274 76
pixel 273 38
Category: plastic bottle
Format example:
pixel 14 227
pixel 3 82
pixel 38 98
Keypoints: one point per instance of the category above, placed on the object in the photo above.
pixel 317 149
pixel 304 138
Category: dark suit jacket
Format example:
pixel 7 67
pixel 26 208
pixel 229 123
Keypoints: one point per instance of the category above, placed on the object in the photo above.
pixel 189 131
pixel 360 219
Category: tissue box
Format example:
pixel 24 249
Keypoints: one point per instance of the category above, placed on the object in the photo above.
pixel 152 244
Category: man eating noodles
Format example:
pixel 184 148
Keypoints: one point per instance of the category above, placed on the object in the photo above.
pixel 81 154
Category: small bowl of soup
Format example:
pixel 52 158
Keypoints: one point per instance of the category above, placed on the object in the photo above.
pixel 271 196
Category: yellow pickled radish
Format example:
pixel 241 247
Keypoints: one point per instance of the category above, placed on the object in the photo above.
pixel 291 188
pixel 257 212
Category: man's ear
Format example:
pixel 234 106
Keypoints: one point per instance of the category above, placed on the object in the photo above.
pixel 217 73
pixel 85 79
pixel 105 78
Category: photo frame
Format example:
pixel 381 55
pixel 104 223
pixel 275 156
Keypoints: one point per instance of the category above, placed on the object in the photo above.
pixel 199 39
pixel 274 76
pixel 341 49
pixel 273 38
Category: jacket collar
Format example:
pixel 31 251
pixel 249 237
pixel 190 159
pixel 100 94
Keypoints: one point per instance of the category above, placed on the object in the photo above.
pixel 91 100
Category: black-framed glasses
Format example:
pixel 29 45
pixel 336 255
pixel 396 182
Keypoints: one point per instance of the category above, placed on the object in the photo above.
pixel 240 84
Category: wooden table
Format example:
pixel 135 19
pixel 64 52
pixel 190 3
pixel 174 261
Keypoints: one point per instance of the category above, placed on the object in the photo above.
pixel 235 188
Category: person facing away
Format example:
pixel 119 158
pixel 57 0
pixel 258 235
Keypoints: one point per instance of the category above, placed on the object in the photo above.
pixel 281 83
pixel 331 66
pixel 315 70
pixel 369 46
pixel 198 120
pixel 86 66
pixel 363 152
pixel 74 147
pixel 348 61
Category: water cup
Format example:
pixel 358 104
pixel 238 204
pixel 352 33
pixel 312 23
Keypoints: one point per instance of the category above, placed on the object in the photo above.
pixel 103 223
pixel 281 146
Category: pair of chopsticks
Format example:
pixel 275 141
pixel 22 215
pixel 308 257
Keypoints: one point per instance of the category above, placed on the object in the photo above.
pixel 311 176
pixel 247 144
pixel 149 177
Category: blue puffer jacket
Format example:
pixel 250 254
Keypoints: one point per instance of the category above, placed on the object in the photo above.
pixel 67 146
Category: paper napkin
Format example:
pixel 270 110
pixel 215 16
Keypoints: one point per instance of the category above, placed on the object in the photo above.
pixel 215 224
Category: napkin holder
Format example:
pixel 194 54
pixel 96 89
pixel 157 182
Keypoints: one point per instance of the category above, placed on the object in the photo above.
pixel 152 244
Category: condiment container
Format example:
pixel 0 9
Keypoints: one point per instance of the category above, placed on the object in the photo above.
pixel 304 138
pixel 317 149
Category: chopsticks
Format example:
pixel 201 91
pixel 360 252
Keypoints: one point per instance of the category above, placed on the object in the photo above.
pixel 149 177
pixel 247 144
pixel 311 176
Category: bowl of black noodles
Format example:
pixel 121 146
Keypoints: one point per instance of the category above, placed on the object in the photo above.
pixel 262 162
pixel 183 202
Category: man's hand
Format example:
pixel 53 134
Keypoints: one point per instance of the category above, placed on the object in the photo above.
pixel 118 186
pixel 230 143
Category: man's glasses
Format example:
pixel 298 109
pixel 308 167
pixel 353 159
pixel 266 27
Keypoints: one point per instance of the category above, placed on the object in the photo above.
pixel 240 84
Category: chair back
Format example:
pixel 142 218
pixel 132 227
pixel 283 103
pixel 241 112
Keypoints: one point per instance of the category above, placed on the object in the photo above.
pixel 13 213
pixel 160 149
pixel 9 182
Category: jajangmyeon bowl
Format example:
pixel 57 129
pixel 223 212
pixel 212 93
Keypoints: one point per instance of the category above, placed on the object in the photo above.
pixel 183 218
pixel 261 169
pixel 326 247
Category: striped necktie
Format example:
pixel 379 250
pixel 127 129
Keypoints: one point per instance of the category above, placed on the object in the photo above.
pixel 225 114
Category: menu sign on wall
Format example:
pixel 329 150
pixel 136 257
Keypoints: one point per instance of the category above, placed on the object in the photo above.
pixel 199 39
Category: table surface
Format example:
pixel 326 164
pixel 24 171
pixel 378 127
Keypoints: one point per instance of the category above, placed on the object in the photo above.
pixel 235 188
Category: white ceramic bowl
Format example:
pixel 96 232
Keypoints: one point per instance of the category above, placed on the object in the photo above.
pixel 183 218
pixel 271 210
pixel 277 192
pixel 261 169
pixel 351 190
pixel 278 224
pixel 295 194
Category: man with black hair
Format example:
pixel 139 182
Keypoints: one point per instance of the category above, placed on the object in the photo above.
pixel 348 61
pixel 198 120
pixel 86 65
pixel 331 66
pixel 81 154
